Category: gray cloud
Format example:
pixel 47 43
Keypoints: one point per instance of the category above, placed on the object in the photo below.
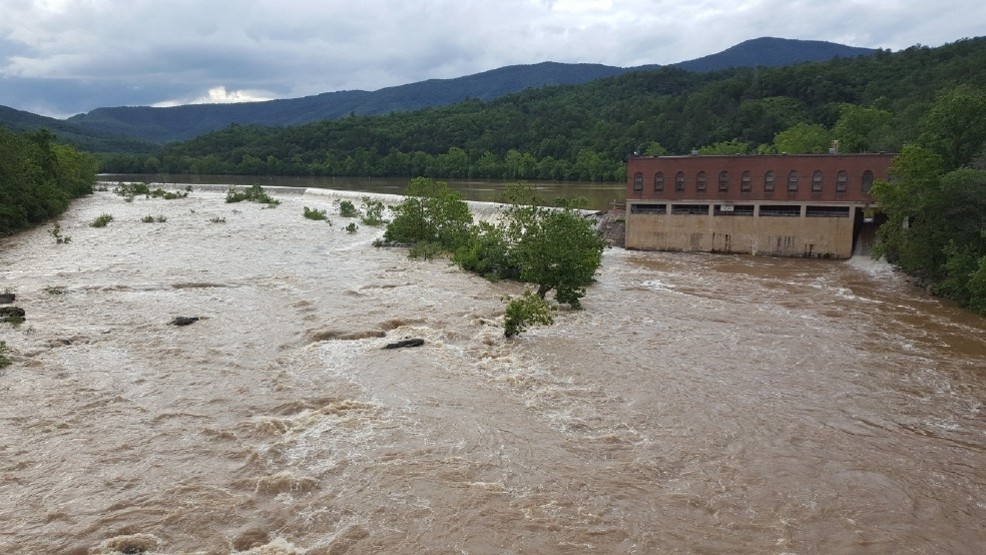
pixel 65 56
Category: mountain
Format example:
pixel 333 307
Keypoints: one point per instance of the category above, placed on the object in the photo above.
pixel 83 136
pixel 773 52
pixel 184 122
pixel 162 125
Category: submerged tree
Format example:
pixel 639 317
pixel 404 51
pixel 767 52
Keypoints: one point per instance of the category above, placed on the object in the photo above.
pixel 556 249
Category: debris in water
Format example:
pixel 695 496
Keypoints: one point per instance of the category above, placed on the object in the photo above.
pixel 417 342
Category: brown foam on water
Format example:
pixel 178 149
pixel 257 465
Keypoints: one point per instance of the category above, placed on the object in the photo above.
pixel 318 336
pixel 129 544
pixel 279 546
pixel 285 482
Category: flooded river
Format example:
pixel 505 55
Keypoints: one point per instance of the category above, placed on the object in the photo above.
pixel 699 404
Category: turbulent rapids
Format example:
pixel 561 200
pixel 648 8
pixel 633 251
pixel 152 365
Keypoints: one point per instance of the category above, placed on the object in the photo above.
pixel 699 403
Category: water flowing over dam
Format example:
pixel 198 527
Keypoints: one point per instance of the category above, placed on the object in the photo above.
pixel 699 404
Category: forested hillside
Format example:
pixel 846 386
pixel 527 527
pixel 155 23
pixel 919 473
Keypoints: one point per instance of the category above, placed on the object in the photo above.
pixel 39 178
pixel 585 132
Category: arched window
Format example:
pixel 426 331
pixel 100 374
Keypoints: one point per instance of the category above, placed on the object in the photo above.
pixel 768 181
pixel 867 181
pixel 638 181
pixel 841 181
pixel 746 182
pixel 723 180
pixel 816 181
pixel 700 180
pixel 659 182
pixel 792 181
pixel 679 181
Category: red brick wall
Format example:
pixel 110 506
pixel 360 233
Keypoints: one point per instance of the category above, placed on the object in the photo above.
pixel 854 166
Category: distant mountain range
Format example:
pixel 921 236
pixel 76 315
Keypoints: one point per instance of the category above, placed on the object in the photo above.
pixel 140 128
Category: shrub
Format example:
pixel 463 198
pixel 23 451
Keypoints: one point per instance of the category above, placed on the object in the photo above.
pixel 527 310
pixel 431 213
pixel 218 220
pixel 313 214
pixel 426 251
pixel 147 219
pixel 488 253
pixel 352 227
pixel 347 209
pixel 372 212
pixel 254 193
pixel 167 195
pixel 56 232
pixel 101 221
pixel 130 190
pixel 4 351
pixel 161 219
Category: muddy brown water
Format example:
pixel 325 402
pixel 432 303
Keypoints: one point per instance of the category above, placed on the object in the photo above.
pixel 699 403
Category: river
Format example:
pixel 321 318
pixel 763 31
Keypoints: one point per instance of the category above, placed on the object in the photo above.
pixel 699 404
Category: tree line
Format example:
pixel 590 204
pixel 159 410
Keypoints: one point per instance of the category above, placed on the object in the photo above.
pixel 39 178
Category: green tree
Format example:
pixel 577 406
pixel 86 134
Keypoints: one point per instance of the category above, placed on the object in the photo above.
pixel 803 138
pixel 861 129
pixel 955 126
pixel 39 178
pixel 526 311
pixel 734 146
pixel 910 237
pixel 430 213
pixel 558 250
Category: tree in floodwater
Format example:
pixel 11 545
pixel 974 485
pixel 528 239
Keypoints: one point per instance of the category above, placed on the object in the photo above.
pixel 556 249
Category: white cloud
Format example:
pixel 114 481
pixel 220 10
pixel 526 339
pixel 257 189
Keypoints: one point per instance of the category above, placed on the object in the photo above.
pixel 219 95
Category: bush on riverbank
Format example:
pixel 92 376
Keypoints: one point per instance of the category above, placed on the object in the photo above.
pixel 39 178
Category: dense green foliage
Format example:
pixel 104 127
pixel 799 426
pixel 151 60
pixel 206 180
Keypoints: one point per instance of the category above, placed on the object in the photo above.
pixel 39 178
pixel 431 213
pixel 253 193
pixel 936 226
pixel 935 201
pixel 556 249
pixel 526 311
pixel 585 132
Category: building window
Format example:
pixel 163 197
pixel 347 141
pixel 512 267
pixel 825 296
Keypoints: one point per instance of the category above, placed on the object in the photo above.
pixel 867 181
pixel 792 181
pixel 841 181
pixel 724 180
pixel 700 181
pixel 638 181
pixel 816 181
pixel 659 182
pixel 746 182
pixel 768 181
pixel 679 181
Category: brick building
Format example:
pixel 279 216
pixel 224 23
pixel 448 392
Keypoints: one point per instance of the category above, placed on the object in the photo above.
pixel 784 205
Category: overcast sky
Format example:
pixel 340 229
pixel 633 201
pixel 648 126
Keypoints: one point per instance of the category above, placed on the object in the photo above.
pixel 61 57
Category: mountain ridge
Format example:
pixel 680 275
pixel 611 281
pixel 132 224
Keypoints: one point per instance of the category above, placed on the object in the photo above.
pixel 144 124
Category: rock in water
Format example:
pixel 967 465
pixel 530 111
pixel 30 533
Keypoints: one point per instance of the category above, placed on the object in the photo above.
pixel 7 298
pixel 405 343
pixel 184 320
